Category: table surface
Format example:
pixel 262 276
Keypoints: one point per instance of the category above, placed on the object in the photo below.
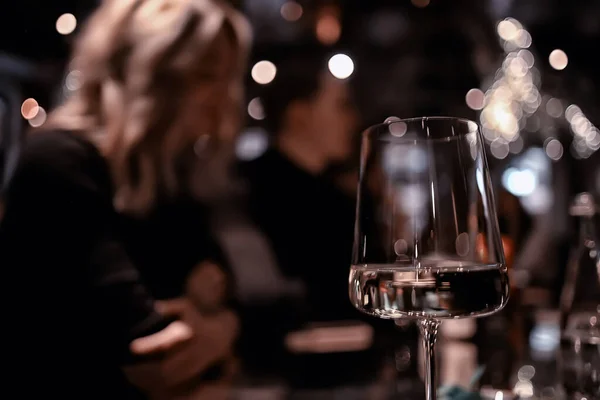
pixel 533 371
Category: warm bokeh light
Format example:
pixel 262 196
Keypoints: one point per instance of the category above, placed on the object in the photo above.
pixel 586 136
pixel 512 100
pixel 39 119
pixel 66 24
pixel 264 72
pixel 554 108
pixel 554 149
pixel 499 148
pixel 328 29
pixel 30 108
pixel 516 146
pixel 558 59
pixel 527 56
pixel 73 80
pixel 523 38
pixel 255 109
pixel 341 66
pixel 291 11
pixel 475 99
pixel 572 111
pixel 508 29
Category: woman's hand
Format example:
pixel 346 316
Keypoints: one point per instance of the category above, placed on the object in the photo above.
pixel 206 287
pixel 175 333
pixel 208 341
pixel 212 342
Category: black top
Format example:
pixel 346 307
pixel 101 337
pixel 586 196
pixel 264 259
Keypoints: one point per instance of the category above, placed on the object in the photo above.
pixel 74 294
pixel 310 224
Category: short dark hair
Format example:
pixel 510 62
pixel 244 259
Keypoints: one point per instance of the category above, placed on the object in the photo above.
pixel 299 76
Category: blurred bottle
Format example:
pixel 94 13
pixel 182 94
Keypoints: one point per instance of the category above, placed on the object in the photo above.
pixel 579 360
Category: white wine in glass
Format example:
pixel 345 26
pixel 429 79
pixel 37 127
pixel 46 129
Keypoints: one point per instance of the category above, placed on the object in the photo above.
pixel 427 244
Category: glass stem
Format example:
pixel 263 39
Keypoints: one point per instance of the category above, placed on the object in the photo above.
pixel 429 330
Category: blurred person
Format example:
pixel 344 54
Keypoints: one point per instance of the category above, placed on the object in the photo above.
pixel 101 192
pixel 309 222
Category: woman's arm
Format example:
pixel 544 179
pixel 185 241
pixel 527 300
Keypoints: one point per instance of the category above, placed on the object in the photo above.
pixel 56 236
pixel 59 228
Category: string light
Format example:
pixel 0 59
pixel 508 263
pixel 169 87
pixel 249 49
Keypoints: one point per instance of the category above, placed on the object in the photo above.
pixel 586 137
pixel 514 95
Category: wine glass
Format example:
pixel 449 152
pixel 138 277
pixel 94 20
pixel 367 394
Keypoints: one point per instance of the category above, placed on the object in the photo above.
pixel 426 242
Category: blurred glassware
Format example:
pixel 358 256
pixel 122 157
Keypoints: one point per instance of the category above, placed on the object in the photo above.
pixel 581 290
pixel 579 361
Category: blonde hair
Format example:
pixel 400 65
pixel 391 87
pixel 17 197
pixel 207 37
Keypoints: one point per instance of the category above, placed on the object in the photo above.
pixel 138 60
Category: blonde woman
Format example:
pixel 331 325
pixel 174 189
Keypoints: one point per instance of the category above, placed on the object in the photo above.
pixel 97 197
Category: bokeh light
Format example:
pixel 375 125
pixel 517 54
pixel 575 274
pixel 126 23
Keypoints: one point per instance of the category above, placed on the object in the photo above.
pixel 39 119
pixel 74 80
pixel 328 29
pixel 510 103
pixel 554 149
pixel 264 72
pixel 341 66
pixel 291 11
pixel 554 107
pixel 558 59
pixel 586 136
pixel 255 109
pixel 508 29
pixel 251 144
pixel 519 182
pixel 475 99
pixel 30 108
pixel 499 148
pixel 66 24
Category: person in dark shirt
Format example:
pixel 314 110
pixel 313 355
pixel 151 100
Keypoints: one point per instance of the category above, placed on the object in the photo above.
pixel 309 223
pixel 96 221
pixel 307 219
pixel 318 338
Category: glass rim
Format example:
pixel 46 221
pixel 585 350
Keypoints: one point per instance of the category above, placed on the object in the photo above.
pixel 472 127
